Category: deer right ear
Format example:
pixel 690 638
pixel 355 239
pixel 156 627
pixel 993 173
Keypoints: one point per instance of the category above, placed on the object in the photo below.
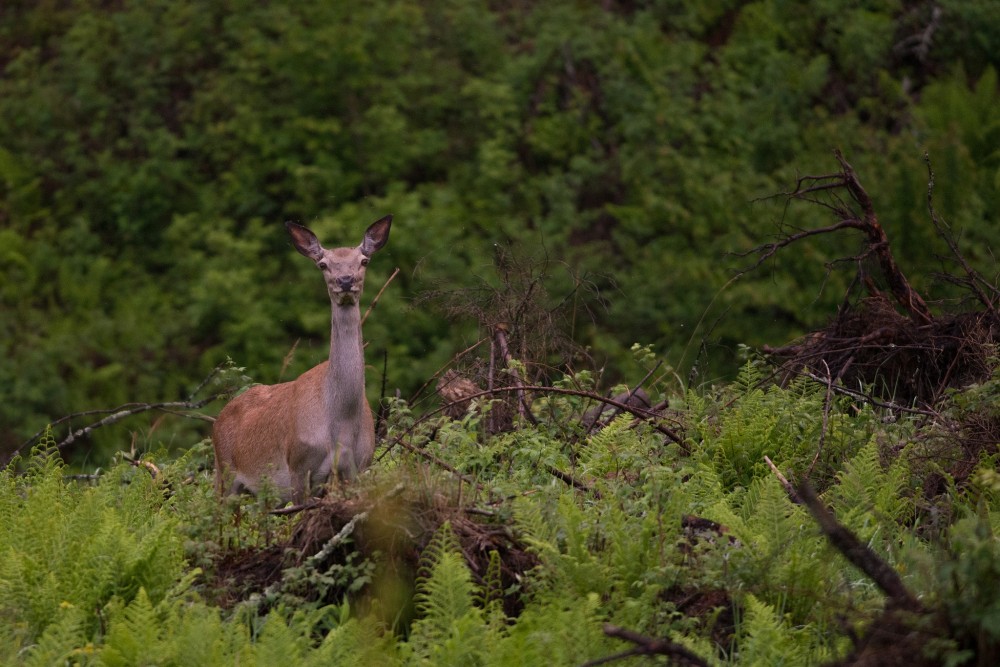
pixel 304 241
pixel 376 236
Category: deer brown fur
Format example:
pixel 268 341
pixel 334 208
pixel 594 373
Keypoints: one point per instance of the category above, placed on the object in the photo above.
pixel 298 433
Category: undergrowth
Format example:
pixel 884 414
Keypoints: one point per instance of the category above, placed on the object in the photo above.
pixel 501 561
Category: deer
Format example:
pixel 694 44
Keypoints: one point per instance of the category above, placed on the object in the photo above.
pixel 300 433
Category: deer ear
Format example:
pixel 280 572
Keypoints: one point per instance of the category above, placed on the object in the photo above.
pixel 304 241
pixel 376 236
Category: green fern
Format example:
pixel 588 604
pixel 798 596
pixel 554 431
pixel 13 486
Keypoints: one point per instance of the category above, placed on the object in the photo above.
pixel 64 641
pixel 869 498
pixel 767 640
pixel 134 635
pixel 554 632
pixel 451 629
pixel 490 597
pixel 64 544
pixel 615 448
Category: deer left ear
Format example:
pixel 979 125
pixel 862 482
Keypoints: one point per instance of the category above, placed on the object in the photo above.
pixel 376 236
pixel 304 241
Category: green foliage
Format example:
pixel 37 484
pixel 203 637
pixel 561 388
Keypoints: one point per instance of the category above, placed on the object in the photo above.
pixel 451 629
pixel 71 547
pixel 126 568
pixel 160 144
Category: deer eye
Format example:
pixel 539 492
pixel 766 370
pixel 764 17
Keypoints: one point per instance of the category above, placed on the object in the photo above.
pixel 364 261
pixel 321 265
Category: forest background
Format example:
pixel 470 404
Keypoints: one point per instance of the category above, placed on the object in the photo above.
pixel 616 154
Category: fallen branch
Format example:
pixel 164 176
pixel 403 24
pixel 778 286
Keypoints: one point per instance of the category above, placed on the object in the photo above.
pixel 129 409
pixel 905 295
pixel 643 413
pixel 858 553
pixel 647 646
pixel 974 281
pixel 572 481
pixel 865 220
pixel 118 414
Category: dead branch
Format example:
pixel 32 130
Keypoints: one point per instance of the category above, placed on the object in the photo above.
pixel 974 281
pixel 129 409
pixel 858 553
pixel 117 414
pixel 789 489
pixel 441 370
pixel 827 402
pixel 647 646
pixel 919 44
pixel 866 222
pixel 768 250
pixel 905 295
pixel 500 333
pixel 572 481
pixel 627 398
pixel 641 413
pixel 867 398
pixel 374 302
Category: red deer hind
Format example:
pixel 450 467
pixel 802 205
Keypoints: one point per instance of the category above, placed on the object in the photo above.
pixel 297 433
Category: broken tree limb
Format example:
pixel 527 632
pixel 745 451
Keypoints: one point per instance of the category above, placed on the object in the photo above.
pixel 644 645
pixel 974 280
pixel 859 554
pixel 864 219
pixel 905 295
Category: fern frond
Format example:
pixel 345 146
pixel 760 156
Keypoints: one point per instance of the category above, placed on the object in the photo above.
pixel 280 642
pixel 451 628
pixel 356 643
pixel 446 591
pixel 491 594
pixel 765 639
pixel 63 642
pixel 868 496
pixel 133 635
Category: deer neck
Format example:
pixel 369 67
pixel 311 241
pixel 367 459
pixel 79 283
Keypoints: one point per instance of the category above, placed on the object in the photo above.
pixel 346 375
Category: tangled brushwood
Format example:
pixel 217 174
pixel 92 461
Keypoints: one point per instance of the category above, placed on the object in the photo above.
pixel 886 343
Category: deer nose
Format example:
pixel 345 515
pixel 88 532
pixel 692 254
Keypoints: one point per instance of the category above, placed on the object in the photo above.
pixel 345 282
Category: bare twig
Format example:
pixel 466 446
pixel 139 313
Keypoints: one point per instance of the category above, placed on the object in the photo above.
pixel 628 398
pixel 450 363
pixel 119 413
pixel 789 489
pixel 827 400
pixel 642 413
pixel 974 281
pixel 372 305
pixel 919 44
pixel 854 393
pixel 768 250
